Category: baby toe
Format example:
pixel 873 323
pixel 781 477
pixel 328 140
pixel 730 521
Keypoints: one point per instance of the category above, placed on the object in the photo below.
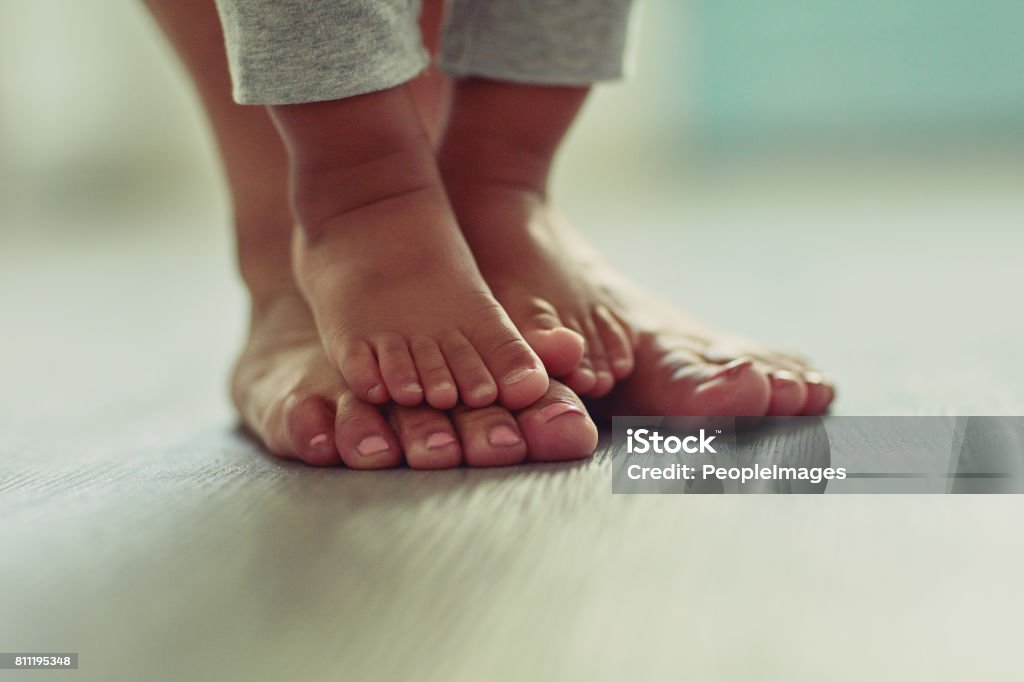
pixel 438 383
pixel 518 371
pixel 474 381
pixel 558 347
pixel 361 371
pixel 398 369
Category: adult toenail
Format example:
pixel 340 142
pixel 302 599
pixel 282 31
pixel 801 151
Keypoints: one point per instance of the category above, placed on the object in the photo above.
pixel 413 388
pixel 731 370
pixel 502 435
pixel 372 445
pixel 482 392
pixel 557 410
pixel 439 440
pixel 815 377
pixel 785 375
pixel 518 375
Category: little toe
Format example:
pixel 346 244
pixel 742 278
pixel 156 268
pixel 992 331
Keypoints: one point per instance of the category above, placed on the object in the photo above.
pixel 398 369
pixel 820 393
pixel 604 379
pixel 438 383
pixel 310 426
pixel 359 367
pixel 427 437
pixel 364 438
pixel 617 344
pixel 557 427
pixel 475 384
pixel 789 393
pixel 490 436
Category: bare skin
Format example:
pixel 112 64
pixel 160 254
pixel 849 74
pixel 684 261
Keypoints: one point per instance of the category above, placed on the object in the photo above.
pixel 287 392
pixel 297 404
pixel 401 307
pixel 291 398
pixel 496 158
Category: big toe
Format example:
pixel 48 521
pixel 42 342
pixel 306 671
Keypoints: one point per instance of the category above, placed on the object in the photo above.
pixel 668 382
pixel 558 347
pixel 738 388
pixel 557 427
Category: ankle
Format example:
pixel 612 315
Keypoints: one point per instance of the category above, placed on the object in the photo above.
pixel 507 134
pixel 284 310
pixel 349 153
pixel 471 159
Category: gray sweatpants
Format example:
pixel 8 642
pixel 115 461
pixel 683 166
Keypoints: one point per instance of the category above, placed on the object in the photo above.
pixel 291 51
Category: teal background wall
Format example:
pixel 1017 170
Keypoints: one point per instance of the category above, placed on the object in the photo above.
pixel 798 71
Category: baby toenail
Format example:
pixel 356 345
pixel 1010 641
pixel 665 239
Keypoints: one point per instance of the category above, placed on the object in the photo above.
pixel 413 388
pixel 375 391
pixel 518 375
pixel 319 439
pixel 439 440
pixel 372 445
pixel 621 363
pixel 444 386
pixel 502 435
pixel 557 410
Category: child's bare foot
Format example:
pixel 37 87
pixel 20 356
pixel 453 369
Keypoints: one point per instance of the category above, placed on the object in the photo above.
pixel 296 403
pixel 400 305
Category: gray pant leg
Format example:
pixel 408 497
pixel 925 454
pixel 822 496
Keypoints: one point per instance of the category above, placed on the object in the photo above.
pixel 292 51
pixel 548 42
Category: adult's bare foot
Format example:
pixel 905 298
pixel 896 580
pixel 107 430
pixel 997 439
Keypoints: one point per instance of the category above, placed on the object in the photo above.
pixel 679 366
pixel 292 399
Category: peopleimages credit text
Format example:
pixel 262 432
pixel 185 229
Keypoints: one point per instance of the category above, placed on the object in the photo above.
pixel 646 441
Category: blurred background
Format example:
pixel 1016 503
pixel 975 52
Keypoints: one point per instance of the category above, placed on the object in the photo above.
pixel 843 179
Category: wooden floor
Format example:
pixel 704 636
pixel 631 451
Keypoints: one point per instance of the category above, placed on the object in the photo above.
pixel 140 529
